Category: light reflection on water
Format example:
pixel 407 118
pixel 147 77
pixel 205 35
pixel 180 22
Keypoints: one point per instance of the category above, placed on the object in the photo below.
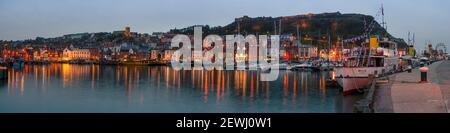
pixel 94 88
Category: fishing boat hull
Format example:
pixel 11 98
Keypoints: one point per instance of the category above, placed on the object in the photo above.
pixel 352 79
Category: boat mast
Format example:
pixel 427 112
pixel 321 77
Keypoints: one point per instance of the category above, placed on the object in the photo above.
pixel 342 49
pixel 382 17
pixel 279 25
pixel 409 38
pixel 298 35
pixel 274 27
pixel 329 45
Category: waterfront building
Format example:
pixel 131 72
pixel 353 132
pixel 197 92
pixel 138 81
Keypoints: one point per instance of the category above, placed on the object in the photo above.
pixel 126 49
pixel 29 54
pixel 240 57
pixel 54 55
pixel 107 55
pixel 76 54
pixel 197 56
pixel 307 52
pixel 36 55
pixel 40 54
pixel 168 54
pixel 137 57
pixel 95 54
pixel 155 54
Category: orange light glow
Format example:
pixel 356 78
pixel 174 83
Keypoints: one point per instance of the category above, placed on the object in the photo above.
pixel 286 56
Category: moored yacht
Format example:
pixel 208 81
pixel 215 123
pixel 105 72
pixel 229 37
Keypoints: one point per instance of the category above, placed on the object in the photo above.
pixel 325 66
pixel 304 66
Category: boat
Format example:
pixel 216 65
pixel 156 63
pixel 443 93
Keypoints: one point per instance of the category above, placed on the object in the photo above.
pixel 138 63
pixel 354 75
pixel 424 60
pixel 304 66
pixel 339 64
pixel 283 66
pixel 18 63
pixel 3 73
pixel 241 67
pixel 325 66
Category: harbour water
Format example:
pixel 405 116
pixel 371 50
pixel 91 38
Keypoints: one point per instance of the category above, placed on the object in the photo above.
pixel 97 88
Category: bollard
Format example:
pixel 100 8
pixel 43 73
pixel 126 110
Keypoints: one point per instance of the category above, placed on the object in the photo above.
pixel 423 74
pixel 409 69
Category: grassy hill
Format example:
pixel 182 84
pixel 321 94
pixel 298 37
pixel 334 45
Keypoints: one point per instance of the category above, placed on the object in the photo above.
pixel 312 26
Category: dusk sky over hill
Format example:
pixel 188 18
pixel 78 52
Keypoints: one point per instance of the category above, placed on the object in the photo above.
pixel 25 19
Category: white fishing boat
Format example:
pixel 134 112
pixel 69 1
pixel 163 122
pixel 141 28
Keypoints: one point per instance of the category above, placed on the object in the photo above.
pixel 367 61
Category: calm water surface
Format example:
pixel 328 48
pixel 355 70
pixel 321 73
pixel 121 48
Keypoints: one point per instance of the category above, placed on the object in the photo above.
pixel 95 88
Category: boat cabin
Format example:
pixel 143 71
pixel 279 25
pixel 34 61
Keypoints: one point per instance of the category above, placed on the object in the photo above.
pixel 372 61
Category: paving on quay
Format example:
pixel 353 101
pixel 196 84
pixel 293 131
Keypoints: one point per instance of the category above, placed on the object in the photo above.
pixel 404 93
pixel 443 79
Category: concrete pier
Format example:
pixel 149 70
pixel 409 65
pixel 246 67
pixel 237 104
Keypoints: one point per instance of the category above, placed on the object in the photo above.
pixel 406 94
